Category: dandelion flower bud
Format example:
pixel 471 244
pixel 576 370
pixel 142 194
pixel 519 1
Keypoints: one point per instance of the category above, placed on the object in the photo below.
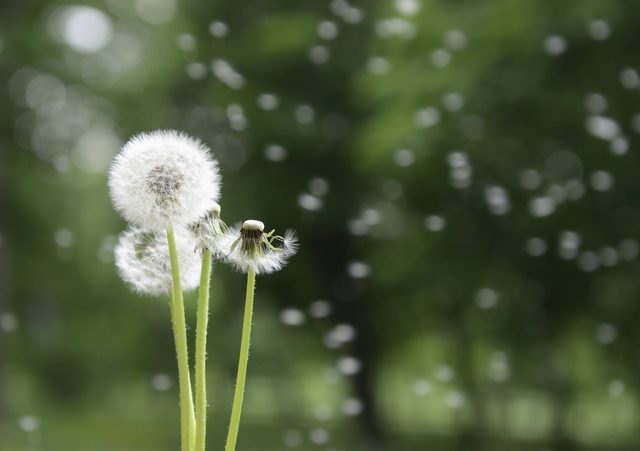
pixel 249 247
pixel 164 177
pixel 209 231
pixel 143 261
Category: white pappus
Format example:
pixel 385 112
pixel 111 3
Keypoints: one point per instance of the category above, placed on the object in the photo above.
pixel 164 178
pixel 250 247
pixel 143 261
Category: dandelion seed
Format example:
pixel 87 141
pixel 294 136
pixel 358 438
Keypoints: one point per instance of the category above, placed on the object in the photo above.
pixel 292 317
pixel 196 71
pixel 8 322
pixel 323 412
pixel 309 202
pixel 348 366
pixel 292 438
pixel 352 407
pixel 327 30
pixel 440 58
pixel 320 309
pixel 595 103
pixel 407 7
pixel 162 178
pixel 142 259
pixel 275 152
pixel 535 247
pixel 378 65
pixel 227 74
pixel 29 423
pixel 455 400
pixel 487 298
pixel 530 179
pixel 358 270
pixel 161 382
pixel 422 387
pixel 588 261
pixel 445 373
pixel 319 436
pixel 304 114
pixel 629 249
pixel 268 101
pixel 218 29
pixel 555 45
pixel 250 247
pixel 435 223
pixel 599 30
pixel 569 244
pixel 453 101
pixel 606 333
pixel 616 388
pixel 602 127
pixel 318 186
pixel 186 41
pixel 630 78
pixel 426 117
pixel 455 39
pixel 542 206
pixel 319 54
pixel 404 158
pixel 601 181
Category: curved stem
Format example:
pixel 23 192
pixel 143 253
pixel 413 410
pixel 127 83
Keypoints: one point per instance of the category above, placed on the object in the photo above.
pixel 201 352
pixel 187 419
pixel 238 397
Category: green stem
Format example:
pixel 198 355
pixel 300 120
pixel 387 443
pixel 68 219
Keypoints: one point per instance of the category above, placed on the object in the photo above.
pixel 238 397
pixel 201 351
pixel 187 419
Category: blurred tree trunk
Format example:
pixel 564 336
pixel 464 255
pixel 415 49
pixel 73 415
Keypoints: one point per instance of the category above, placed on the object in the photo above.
pixel 4 267
pixel 331 252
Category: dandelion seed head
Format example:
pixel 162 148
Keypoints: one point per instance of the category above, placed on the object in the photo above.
pixel 209 230
pixel 143 261
pixel 163 177
pixel 253 224
pixel 249 247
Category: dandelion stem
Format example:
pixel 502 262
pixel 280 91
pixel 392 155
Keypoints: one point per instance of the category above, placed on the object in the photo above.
pixel 201 352
pixel 238 397
pixel 187 418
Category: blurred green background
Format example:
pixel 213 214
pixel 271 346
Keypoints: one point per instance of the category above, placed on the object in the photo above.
pixel 464 178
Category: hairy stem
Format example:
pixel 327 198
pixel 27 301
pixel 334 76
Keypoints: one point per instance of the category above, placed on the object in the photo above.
pixel 187 418
pixel 238 397
pixel 201 352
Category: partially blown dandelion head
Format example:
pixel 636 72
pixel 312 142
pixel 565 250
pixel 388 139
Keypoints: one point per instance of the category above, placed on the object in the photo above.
pixel 209 230
pixel 143 261
pixel 249 247
pixel 164 177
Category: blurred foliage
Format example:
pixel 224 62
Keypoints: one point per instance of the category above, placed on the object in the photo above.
pixel 463 177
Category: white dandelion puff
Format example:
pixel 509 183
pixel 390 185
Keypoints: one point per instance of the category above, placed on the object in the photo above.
pixel 249 247
pixel 210 230
pixel 164 177
pixel 143 261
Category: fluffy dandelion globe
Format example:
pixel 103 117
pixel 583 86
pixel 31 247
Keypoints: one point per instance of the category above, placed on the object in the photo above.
pixel 249 247
pixel 162 178
pixel 143 261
